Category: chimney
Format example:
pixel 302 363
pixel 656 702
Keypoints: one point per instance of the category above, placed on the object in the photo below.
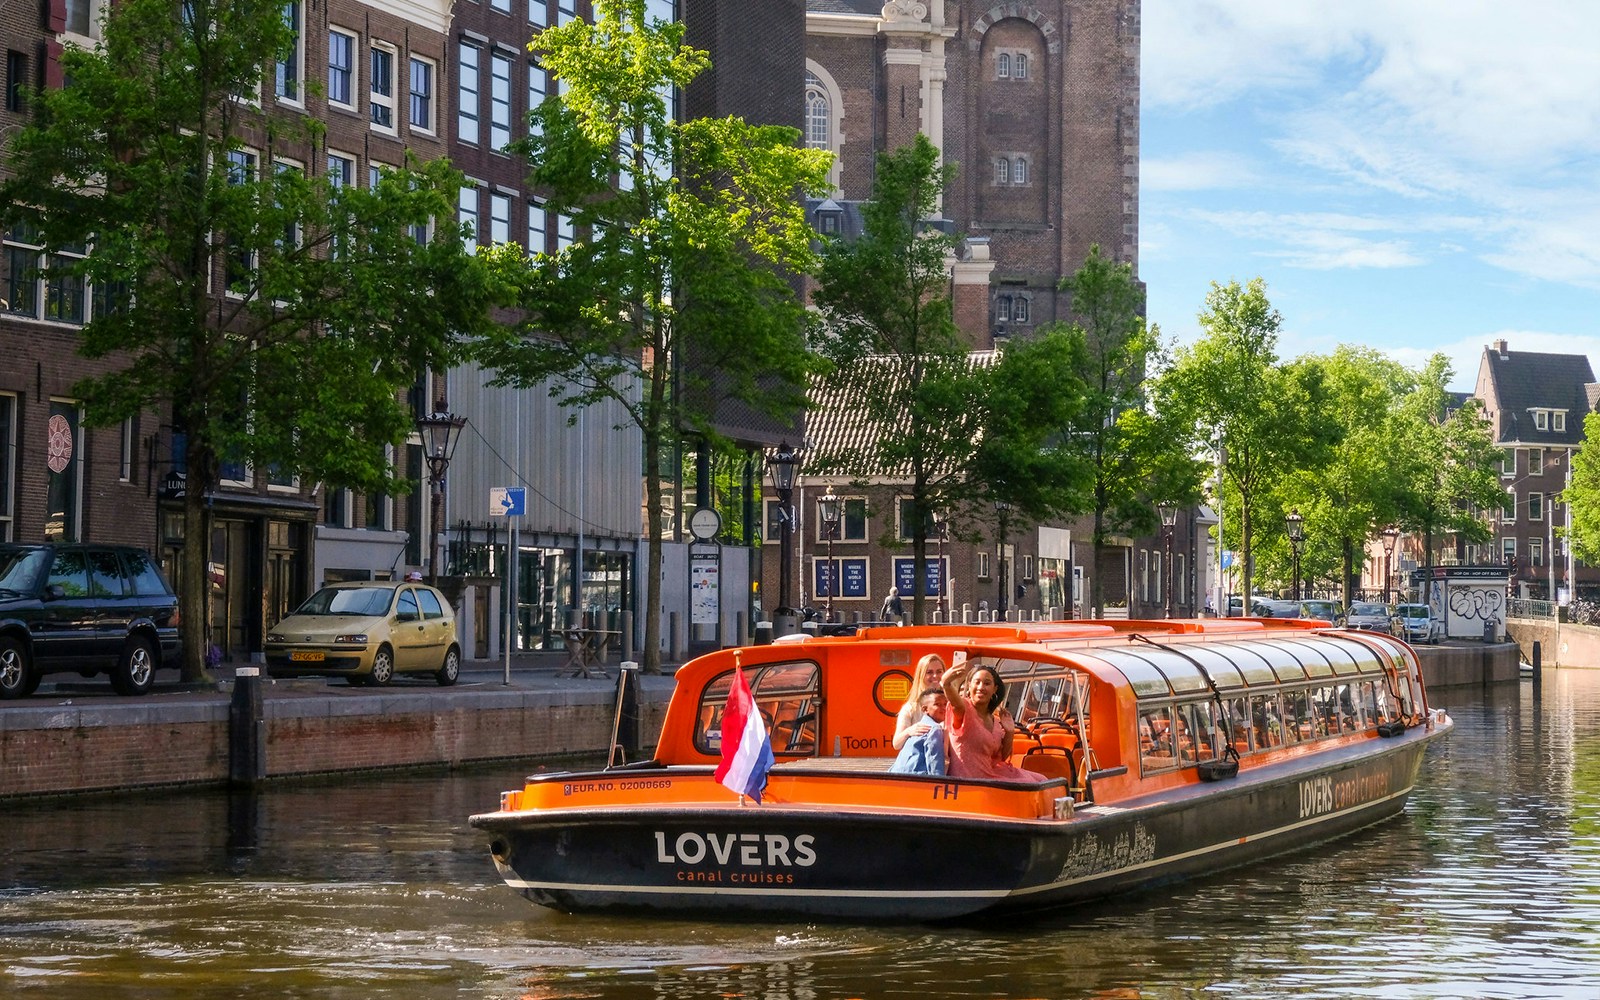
pixel 1500 349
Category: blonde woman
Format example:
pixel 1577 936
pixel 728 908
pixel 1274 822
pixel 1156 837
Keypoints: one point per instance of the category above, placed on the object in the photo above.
pixel 978 726
pixel 908 722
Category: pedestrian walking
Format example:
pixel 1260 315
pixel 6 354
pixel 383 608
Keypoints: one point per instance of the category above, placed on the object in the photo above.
pixel 893 610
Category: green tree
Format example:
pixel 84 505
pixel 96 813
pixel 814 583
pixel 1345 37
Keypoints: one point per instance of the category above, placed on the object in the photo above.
pixel 1450 462
pixel 331 307
pixel 1583 494
pixel 677 291
pixel 1136 456
pixel 900 362
pixel 1265 417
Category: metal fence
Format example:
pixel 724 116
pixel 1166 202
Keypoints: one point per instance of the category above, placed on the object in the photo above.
pixel 1519 607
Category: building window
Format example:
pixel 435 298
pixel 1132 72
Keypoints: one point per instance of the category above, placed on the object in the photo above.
pixel 1002 171
pixel 853 520
pixel 983 565
pixel 538 12
pixel 16 80
pixel 1019 309
pixel 537 223
pixel 241 259
pixel 1180 581
pixel 341 170
pixel 1002 66
pixel 537 88
pixel 499 100
pixel 80 17
pixel 1019 67
pixel 499 219
pixel 773 521
pixel 1536 552
pixel 1508 513
pixel 1027 567
pixel 906 516
pixel 341 68
pixel 288 78
pixel 1535 462
pixel 1508 550
pixel 64 468
pixel 382 91
pixel 125 450
pixel 819 114
pixel 421 94
pixel 501 6
pixel 1019 170
pixel 8 464
pixel 1558 421
pixel 291 227
pixel 1508 463
pixel 336 507
pixel 469 217
pixel 566 232
pixel 1541 419
pixel 566 10
pixel 467 94
pixel 1536 506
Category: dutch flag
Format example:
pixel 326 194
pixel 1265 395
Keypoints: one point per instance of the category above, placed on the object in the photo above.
pixel 746 750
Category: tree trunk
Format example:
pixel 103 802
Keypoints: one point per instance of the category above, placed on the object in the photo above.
pixel 194 583
pixel 650 656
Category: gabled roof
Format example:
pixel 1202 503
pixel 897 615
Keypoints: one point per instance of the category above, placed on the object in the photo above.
pixel 837 423
pixel 1524 381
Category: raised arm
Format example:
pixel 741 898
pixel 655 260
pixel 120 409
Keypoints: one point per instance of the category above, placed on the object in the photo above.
pixel 952 681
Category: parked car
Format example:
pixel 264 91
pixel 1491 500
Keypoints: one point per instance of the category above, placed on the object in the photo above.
pixel 1328 611
pixel 83 608
pixel 1414 623
pixel 367 633
pixel 1368 615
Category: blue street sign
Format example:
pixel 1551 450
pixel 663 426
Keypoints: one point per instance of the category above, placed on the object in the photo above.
pixel 508 501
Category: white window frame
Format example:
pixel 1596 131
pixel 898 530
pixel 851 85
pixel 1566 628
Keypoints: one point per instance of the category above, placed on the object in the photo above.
pixel 254 168
pixel 469 92
pixel 353 72
pixel 539 13
pixel 279 165
pixel 1027 567
pixel 1536 506
pixel 1508 463
pixel 289 76
pixel 499 218
pixel 836 118
pixel 1019 66
pixel 1535 461
pixel 1508 547
pixel 566 10
pixel 499 99
pixel 472 213
pixel 429 100
pixel 538 235
pixel 1535 552
pixel 292 486
pixel 1019 170
pixel 377 100
pixel 983 565
pixel 500 6
pixel 341 178
pixel 1002 171
pixel 1541 420
pixel 566 231
pixel 538 90
pixel 1002 66
pixel 1558 420
pixel 125 448
pixel 1019 309
pixel 1508 513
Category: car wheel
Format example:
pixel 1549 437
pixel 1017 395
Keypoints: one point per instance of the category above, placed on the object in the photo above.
pixel 451 670
pixel 16 677
pixel 135 672
pixel 382 666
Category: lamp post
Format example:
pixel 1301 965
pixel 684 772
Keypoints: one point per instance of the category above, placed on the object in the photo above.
pixel 941 528
pixel 1002 512
pixel 440 432
pixel 830 525
pixel 1169 519
pixel 783 464
pixel 1297 537
pixel 1391 534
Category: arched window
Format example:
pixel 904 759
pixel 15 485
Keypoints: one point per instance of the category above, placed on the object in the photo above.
pixel 1019 69
pixel 1019 171
pixel 1002 171
pixel 1002 308
pixel 1002 65
pixel 818 114
pixel 1019 309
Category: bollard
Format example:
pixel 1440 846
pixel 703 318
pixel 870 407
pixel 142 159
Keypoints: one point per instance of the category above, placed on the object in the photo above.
pixel 1538 660
pixel 966 614
pixel 739 636
pixel 627 635
pixel 763 634
pixel 247 730
pixel 672 636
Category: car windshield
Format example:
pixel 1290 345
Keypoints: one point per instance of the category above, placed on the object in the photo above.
pixel 1368 609
pixel 20 568
pixel 348 601
pixel 1412 611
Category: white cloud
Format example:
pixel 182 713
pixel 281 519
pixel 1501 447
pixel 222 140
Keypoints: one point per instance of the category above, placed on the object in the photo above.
pixel 1197 171
pixel 1320 241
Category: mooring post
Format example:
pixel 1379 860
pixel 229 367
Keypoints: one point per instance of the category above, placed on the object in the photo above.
pixel 1538 662
pixel 247 730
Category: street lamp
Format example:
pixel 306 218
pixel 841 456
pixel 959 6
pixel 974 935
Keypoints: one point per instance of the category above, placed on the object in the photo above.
pixel 830 524
pixel 941 528
pixel 1391 534
pixel 783 464
pixel 440 432
pixel 1297 537
pixel 1002 511
pixel 1169 519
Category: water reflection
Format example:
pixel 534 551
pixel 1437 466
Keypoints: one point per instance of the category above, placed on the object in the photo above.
pixel 1488 886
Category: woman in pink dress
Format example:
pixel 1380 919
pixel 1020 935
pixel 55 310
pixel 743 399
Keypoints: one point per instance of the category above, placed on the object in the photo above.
pixel 980 732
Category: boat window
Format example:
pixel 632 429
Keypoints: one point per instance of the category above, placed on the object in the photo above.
pixel 1156 744
pixel 1312 656
pixel 1224 672
pixel 1344 705
pixel 1240 730
pixel 1324 711
pixel 1284 663
pixel 786 695
pixel 1257 672
pixel 1297 716
pixel 1147 681
pixel 1343 654
pixel 1196 732
pixel 1267 719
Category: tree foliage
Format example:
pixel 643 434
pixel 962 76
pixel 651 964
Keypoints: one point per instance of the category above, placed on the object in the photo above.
pixel 155 160
pixel 1583 494
pixel 677 291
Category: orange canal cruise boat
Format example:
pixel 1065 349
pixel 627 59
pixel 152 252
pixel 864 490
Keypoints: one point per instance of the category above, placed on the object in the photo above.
pixel 1171 748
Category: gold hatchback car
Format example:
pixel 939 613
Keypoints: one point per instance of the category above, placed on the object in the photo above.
pixel 368 632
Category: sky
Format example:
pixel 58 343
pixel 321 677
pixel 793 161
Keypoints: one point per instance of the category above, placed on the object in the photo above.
pixel 1417 176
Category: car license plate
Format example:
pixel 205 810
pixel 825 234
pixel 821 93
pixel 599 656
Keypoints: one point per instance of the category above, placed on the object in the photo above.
pixel 307 656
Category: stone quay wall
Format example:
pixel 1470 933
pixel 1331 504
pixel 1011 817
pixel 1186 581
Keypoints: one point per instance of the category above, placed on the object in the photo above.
pixel 1561 644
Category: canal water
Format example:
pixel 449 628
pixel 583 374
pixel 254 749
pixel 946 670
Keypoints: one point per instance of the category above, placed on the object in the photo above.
pixel 1487 886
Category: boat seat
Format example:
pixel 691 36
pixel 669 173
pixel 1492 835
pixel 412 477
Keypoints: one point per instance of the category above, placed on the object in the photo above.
pixel 1052 762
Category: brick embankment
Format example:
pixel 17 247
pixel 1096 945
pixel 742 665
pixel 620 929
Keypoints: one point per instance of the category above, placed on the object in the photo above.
pixel 83 739
pixel 1561 644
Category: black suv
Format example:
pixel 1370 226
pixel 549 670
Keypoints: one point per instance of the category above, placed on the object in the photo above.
pixel 85 608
